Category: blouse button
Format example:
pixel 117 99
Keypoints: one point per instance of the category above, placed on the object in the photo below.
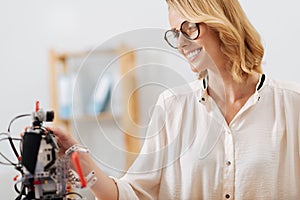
pixel 227 196
pixel 228 163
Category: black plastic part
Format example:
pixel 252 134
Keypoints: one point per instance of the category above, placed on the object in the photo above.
pixel 52 161
pixel 31 146
pixel 49 116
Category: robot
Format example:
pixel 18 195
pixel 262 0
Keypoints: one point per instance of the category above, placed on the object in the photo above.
pixel 44 174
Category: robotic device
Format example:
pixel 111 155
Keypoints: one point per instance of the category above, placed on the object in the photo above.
pixel 45 175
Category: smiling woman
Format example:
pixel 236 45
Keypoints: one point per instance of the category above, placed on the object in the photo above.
pixel 204 138
pixel 239 41
pixel 232 134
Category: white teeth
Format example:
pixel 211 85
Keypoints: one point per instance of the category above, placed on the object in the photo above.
pixel 193 53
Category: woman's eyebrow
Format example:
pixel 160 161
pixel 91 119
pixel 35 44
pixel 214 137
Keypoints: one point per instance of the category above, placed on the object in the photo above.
pixel 174 29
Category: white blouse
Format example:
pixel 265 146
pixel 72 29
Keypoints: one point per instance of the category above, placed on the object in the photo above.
pixel 192 153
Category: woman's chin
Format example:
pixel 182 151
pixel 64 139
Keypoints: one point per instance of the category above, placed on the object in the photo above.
pixel 195 69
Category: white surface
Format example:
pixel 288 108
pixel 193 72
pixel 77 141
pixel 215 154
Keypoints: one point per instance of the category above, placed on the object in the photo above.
pixel 278 24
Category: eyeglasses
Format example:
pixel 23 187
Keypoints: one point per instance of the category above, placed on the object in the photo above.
pixel 189 30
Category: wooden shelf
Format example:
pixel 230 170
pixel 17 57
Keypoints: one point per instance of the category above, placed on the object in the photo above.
pixel 129 116
pixel 104 116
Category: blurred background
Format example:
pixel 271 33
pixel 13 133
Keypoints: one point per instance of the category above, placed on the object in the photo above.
pixel 31 31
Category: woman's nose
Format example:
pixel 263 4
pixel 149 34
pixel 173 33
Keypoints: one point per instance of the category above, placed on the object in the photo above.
pixel 182 41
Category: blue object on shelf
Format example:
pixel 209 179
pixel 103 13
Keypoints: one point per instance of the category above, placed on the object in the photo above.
pixel 65 85
pixel 101 95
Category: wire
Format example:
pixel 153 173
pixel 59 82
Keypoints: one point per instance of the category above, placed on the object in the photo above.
pixel 4 134
pixel 10 162
pixel 13 147
pixel 10 139
pixel 2 139
pixel 70 193
pixel 7 138
pixel 22 191
pixel 15 118
pixel 16 188
pixel 3 163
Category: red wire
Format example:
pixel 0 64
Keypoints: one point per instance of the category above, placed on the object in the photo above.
pixel 79 169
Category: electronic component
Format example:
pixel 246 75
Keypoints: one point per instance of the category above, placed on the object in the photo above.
pixel 45 175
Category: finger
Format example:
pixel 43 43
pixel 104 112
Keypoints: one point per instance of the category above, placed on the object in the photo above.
pixel 27 127
pixel 52 129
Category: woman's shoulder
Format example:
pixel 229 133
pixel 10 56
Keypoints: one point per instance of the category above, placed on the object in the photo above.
pixel 182 91
pixel 284 86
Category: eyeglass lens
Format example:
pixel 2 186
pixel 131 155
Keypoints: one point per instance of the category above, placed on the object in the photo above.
pixel 189 30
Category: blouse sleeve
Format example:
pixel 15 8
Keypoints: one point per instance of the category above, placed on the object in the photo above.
pixel 142 181
pixel 299 135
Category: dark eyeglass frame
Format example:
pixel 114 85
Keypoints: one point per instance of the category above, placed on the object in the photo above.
pixel 174 31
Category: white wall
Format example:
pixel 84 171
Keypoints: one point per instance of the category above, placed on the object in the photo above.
pixel 30 28
pixel 278 23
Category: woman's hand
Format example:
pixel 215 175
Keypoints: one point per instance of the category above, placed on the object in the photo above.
pixel 64 139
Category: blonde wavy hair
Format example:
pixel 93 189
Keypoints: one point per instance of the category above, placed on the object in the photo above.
pixel 240 42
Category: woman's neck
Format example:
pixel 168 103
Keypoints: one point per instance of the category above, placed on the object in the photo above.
pixel 230 95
